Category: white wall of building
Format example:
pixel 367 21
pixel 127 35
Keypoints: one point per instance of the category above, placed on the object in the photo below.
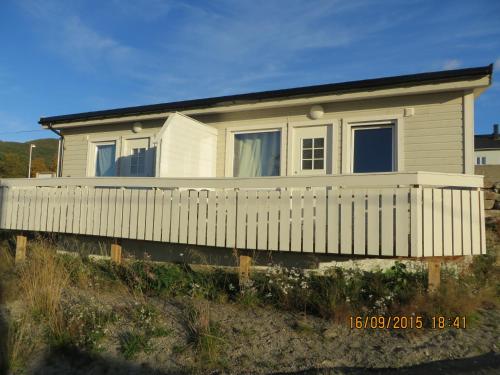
pixel 186 148
pixel 487 157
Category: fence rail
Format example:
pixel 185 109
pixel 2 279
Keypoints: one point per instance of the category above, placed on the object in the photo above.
pixel 405 221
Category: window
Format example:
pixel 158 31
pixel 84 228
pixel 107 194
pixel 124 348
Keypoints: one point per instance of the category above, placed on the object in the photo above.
pixel 373 149
pixel 138 162
pixel 257 154
pixel 481 160
pixel 105 155
pixel 313 153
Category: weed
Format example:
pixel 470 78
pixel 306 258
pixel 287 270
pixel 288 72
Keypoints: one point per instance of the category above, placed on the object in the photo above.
pixel 146 327
pixel 20 342
pixel 205 336
pixel 42 279
pixel 132 343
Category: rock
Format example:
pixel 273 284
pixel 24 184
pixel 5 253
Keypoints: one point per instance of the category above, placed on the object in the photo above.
pixel 492 213
pixel 496 185
pixel 488 194
pixel 496 206
pixel 330 333
pixel 488 183
pixel 488 204
pixel 327 363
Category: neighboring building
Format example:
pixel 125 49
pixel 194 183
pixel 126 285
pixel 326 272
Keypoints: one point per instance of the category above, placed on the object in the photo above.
pixel 420 122
pixel 487 148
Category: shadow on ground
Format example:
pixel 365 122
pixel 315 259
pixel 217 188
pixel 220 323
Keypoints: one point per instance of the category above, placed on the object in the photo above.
pixel 483 364
pixel 76 362
pixel 4 365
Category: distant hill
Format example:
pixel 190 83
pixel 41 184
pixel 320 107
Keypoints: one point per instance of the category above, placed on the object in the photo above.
pixel 18 153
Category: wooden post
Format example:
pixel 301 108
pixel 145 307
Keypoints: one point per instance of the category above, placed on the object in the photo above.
pixel 116 253
pixel 244 271
pixel 434 273
pixel 20 249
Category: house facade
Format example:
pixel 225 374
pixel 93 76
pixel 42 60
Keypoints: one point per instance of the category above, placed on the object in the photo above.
pixel 422 122
pixel 381 167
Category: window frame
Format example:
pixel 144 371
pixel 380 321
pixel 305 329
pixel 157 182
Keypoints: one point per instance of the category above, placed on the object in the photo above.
pixel 388 125
pixel 372 121
pixel 92 152
pixel 313 158
pixel 250 129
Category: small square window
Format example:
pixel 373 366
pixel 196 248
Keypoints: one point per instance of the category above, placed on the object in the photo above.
pixel 307 154
pixel 318 153
pixel 483 160
pixel 306 164
pixel 307 143
pixel 318 142
pixel 318 164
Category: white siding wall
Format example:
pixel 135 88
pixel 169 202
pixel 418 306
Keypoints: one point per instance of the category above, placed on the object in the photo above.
pixel 186 148
pixel 492 156
pixel 433 136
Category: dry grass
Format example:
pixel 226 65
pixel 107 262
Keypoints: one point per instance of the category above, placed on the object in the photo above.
pixel 21 342
pixel 42 280
pixel 204 335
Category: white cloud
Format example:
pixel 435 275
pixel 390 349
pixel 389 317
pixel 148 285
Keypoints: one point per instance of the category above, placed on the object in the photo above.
pixel 452 64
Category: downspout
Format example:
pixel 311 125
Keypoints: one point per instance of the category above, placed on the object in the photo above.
pixel 60 147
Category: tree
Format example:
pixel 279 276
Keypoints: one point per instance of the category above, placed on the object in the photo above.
pixel 53 164
pixel 38 165
pixel 12 165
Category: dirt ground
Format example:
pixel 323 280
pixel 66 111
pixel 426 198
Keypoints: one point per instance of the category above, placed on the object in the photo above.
pixel 267 341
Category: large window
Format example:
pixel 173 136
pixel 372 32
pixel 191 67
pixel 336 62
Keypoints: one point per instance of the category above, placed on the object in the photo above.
pixel 257 154
pixel 373 149
pixel 105 159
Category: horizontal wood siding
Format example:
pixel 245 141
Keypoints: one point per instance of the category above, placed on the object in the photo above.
pixel 433 136
pixel 390 222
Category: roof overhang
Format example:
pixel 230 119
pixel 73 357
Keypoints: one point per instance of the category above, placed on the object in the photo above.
pixel 474 80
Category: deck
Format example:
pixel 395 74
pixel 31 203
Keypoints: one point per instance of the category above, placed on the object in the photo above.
pixel 416 214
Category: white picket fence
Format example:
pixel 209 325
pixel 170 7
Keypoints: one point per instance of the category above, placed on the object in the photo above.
pixel 402 221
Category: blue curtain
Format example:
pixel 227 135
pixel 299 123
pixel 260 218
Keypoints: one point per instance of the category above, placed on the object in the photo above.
pixel 105 161
pixel 257 154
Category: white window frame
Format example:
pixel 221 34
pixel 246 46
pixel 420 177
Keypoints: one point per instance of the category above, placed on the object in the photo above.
pixel 313 159
pixel 264 128
pixel 348 125
pixel 92 153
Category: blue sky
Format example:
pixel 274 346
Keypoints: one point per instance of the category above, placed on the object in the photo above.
pixel 67 56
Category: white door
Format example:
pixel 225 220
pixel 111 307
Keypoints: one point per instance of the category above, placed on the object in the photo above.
pixel 138 158
pixel 312 150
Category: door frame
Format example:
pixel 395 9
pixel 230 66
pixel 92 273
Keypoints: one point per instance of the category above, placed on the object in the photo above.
pixel 333 123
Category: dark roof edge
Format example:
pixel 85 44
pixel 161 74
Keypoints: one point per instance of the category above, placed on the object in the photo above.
pixel 376 83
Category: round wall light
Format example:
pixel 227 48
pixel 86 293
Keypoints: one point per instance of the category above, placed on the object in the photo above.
pixel 316 112
pixel 137 127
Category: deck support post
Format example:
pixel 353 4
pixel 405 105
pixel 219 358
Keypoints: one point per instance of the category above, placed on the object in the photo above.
pixel 116 253
pixel 20 248
pixel 244 269
pixel 434 273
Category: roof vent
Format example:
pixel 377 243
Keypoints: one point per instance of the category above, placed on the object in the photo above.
pixel 495 132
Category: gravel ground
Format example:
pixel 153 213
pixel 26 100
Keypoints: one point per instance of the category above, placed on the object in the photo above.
pixel 267 341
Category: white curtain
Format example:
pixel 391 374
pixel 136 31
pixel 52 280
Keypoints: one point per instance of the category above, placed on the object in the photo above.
pixel 105 160
pixel 257 154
